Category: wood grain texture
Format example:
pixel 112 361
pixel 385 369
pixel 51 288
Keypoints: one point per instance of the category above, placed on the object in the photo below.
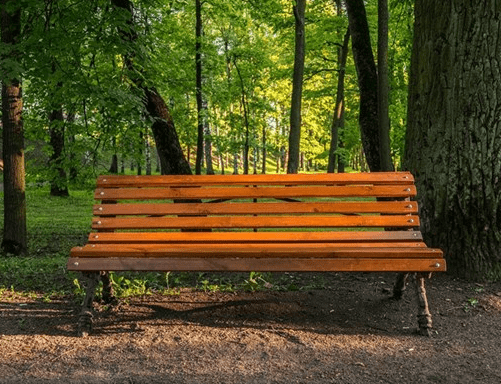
pixel 254 222
pixel 257 265
pixel 249 251
pixel 376 178
pixel 255 237
pixel 344 207
pixel 251 192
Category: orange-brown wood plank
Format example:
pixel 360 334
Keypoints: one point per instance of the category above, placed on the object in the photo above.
pixel 254 237
pixel 254 192
pixel 215 247
pixel 253 222
pixel 350 207
pixel 117 181
pixel 249 250
pixel 258 265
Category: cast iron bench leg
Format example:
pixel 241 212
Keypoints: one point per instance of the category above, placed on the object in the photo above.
pixel 424 315
pixel 108 295
pixel 400 285
pixel 90 280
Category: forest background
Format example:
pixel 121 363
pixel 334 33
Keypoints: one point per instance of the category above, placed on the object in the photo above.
pixel 151 86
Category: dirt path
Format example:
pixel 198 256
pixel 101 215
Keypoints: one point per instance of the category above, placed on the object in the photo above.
pixel 348 333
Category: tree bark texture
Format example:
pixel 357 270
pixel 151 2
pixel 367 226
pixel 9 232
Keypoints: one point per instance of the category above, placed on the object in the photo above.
pixel 367 81
pixel 453 140
pixel 14 233
pixel 297 88
pixel 172 160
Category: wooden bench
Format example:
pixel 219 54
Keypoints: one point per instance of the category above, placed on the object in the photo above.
pixel 363 222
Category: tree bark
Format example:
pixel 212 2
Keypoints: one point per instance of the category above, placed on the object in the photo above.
pixel 297 88
pixel 172 160
pixel 453 140
pixel 383 87
pixel 367 81
pixel 14 233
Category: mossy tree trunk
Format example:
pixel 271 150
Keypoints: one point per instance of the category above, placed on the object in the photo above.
pixel 453 142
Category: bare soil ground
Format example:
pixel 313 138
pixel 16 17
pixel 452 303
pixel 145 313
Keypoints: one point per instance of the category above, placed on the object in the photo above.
pixel 349 332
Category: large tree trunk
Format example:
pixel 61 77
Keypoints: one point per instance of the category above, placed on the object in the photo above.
pixel 297 88
pixel 453 140
pixel 169 150
pixel 367 81
pixel 14 233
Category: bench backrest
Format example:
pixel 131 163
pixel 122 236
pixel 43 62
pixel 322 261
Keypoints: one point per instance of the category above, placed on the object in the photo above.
pixel 236 204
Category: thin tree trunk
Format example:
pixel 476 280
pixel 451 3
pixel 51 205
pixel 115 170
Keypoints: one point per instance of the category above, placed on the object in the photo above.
pixel 264 150
pixel 246 119
pixel 14 232
pixel 383 87
pixel 58 181
pixel 200 104
pixel 114 158
pixel 367 81
pixel 338 118
pixel 297 87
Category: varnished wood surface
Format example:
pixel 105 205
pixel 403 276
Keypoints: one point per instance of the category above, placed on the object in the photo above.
pixel 250 250
pixel 257 265
pixel 252 192
pixel 253 222
pixel 377 178
pixel 255 237
pixel 343 207
pixel 135 233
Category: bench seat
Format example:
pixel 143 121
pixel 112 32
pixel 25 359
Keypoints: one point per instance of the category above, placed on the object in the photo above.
pixel 361 222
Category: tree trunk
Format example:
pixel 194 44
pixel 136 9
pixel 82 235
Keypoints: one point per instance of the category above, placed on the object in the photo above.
pixel 172 160
pixel 338 119
pixel 14 233
pixel 58 178
pixel 114 158
pixel 453 143
pixel 367 81
pixel 263 170
pixel 200 103
pixel 383 87
pixel 297 88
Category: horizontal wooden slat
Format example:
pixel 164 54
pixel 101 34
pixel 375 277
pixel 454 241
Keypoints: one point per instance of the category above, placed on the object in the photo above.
pixel 253 222
pixel 254 192
pixel 379 178
pixel 258 265
pixel 247 250
pixel 254 237
pixel 346 207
